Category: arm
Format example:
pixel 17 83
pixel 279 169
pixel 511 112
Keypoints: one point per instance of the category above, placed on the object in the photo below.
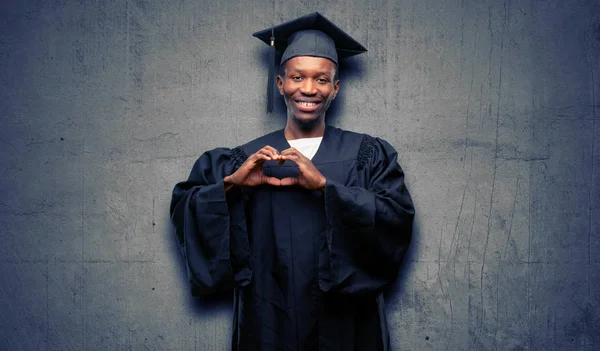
pixel 209 217
pixel 211 226
pixel 368 228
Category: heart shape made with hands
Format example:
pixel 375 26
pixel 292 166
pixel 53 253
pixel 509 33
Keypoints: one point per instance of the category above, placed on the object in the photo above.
pixel 251 173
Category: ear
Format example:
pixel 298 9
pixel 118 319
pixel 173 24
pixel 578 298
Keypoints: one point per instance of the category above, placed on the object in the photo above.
pixel 336 88
pixel 280 84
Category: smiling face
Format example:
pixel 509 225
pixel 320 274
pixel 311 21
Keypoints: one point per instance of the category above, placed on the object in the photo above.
pixel 308 87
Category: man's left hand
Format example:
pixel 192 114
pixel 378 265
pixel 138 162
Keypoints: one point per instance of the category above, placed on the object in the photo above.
pixel 309 178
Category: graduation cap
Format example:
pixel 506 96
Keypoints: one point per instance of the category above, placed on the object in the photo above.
pixel 309 35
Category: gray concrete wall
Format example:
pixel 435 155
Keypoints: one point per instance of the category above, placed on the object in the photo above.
pixel 493 106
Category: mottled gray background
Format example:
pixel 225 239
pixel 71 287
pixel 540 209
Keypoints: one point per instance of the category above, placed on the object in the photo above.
pixel 493 107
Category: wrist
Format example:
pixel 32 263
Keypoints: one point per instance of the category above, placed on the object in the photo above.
pixel 322 183
pixel 229 182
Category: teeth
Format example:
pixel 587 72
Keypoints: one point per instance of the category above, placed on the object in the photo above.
pixel 307 104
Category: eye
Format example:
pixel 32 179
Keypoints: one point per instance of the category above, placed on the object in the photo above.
pixel 323 80
pixel 296 78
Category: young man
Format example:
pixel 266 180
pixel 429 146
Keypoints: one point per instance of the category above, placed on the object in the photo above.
pixel 309 224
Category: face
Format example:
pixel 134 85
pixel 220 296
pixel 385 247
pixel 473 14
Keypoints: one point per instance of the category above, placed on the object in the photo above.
pixel 308 88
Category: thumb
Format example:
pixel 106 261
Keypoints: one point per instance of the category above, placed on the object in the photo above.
pixel 289 181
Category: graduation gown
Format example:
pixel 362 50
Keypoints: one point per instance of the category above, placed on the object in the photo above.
pixel 307 267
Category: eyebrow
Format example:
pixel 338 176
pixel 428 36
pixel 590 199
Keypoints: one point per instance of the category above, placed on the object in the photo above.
pixel 295 70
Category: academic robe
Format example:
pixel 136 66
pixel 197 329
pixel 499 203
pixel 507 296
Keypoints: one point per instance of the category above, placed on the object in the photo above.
pixel 307 267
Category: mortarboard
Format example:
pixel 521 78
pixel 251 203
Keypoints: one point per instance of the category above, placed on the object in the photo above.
pixel 309 35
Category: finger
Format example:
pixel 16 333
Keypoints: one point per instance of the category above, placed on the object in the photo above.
pixel 269 148
pixel 271 181
pixel 257 161
pixel 265 154
pixel 270 151
pixel 289 156
pixel 293 158
pixel 289 181
pixel 253 159
pixel 289 151
pixel 261 154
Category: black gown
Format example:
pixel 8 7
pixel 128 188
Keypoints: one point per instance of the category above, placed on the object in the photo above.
pixel 307 267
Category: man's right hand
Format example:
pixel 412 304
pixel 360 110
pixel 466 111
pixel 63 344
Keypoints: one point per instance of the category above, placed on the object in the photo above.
pixel 251 172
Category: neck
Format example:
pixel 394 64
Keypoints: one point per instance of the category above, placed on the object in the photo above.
pixel 294 130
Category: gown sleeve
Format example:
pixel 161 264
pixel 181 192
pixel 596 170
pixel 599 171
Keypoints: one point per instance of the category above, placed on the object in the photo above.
pixel 210 224
pixel 369 227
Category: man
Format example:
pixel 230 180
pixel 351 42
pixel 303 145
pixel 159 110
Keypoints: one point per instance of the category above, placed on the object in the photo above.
pixel 308 225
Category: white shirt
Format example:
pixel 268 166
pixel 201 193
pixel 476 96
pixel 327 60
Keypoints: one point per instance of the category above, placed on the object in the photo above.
pixel 307 146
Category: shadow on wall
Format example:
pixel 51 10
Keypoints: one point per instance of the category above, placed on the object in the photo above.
pixel 393 293
pixel 350 69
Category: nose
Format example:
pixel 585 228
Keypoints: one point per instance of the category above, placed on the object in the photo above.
pixel 308 87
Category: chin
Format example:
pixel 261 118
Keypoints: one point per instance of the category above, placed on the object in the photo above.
pixel 306 122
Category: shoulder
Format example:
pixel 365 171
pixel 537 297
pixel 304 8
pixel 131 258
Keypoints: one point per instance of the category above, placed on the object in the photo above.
pixel 368 147
pixel 371 149
pixel 365 140
pixel 345 136
pixel 212 165
pixel 342 144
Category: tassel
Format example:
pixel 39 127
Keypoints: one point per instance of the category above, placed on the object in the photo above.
pixel 271 79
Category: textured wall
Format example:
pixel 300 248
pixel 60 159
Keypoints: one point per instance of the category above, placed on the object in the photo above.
pixel 493 106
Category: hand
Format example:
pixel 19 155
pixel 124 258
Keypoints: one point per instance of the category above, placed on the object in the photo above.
pixel 251 172
pixel 310 178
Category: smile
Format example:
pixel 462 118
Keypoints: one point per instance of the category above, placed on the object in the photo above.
pixel 307 103
pixel 307 106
